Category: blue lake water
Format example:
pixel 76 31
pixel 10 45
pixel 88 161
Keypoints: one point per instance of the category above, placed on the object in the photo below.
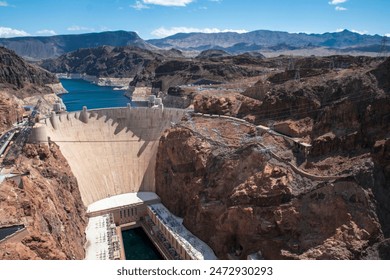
pixel 82 93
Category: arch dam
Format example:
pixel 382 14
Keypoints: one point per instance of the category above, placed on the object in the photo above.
pixel 110 151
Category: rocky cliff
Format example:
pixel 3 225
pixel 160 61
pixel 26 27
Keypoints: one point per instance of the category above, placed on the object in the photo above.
pixel 22 83
pixel 257 193
pixel 48 203
pixel 105 61
pixel 221 178
pixel 18 74
pixel 202 71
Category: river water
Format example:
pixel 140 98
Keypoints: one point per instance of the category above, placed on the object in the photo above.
pixel 82 93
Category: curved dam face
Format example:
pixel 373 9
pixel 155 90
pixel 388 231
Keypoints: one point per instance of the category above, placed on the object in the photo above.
pixel 111 151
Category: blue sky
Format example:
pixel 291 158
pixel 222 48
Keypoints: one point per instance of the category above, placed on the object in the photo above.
pixel 160 18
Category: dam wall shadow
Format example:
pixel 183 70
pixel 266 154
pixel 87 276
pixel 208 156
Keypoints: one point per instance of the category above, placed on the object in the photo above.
pixel 111 151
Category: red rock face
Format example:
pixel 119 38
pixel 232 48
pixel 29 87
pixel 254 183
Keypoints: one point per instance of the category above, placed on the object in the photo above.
pixel 9 110
pixel 240 199
pixel 48 203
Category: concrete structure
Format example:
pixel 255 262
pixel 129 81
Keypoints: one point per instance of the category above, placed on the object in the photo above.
pixel 111 151
pixel 125 208
pixel 38 134
pixel 108 217
pixel 102 240
pixel 185 244
pixel 59 106
pixel 298 144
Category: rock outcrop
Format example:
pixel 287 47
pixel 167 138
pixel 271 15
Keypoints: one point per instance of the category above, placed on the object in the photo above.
pixel 218 176
pixel 48 203
pixel 258 194
pixel 16 73
pixel 22 83
pixel 104 61
pixel 198 72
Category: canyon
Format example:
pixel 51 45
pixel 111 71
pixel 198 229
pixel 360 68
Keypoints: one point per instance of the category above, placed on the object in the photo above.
pixel 284 157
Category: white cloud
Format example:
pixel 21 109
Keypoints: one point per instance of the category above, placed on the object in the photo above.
pixel 46 32
pixel 79 28
pixel 165 32
pixel 139 6
pixel 340 9
pixel 6 32
pixel 3 4
pixel 387 35
pixel 336 2
pixel 177 3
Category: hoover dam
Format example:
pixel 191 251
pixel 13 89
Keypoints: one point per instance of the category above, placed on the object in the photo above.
pixel 112 153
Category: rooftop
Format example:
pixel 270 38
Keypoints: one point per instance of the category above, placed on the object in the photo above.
pixel 123 200
pixel 193 245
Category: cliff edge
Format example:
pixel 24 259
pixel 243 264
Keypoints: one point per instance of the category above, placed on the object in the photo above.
pixel 47 202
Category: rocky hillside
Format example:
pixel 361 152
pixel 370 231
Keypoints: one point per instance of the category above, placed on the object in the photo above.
pixel 221 179
pixel 205 70
pixel 49 205
pixel 38 48
pixel 17 73
pixel 269 40
pixel 22 83
pixel 115 62
pixel 257 193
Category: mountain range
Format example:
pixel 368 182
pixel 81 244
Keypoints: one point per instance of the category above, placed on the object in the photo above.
pixel 265 39
pixel 345 42
pixel 37 48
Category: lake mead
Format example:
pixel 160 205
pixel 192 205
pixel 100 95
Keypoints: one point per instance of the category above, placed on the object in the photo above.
pixel 83 93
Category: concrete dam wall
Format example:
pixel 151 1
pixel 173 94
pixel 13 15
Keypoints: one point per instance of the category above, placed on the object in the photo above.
pixel 111 151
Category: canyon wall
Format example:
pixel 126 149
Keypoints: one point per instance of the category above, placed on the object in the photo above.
pixel 220 177
pixel 47 202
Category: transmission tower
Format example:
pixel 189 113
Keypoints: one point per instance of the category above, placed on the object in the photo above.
pixel 383 50
pixel 297 74
pixel 291 63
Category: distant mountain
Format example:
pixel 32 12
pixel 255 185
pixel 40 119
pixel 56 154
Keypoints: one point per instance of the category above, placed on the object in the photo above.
pixel 37 48
pixel 108 61
pixel 267 40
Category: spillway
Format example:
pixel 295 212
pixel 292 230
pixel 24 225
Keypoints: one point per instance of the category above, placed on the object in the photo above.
pixel 110 151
